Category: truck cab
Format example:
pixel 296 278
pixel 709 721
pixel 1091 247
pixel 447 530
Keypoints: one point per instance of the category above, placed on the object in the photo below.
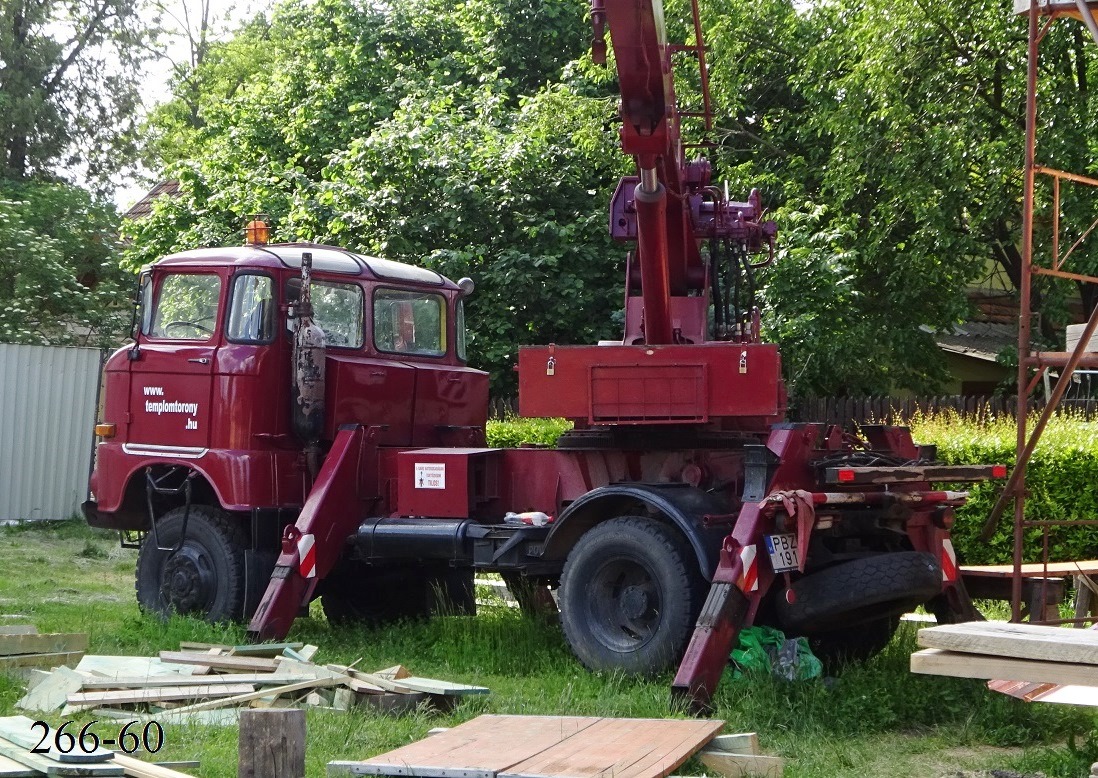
pixel 198 409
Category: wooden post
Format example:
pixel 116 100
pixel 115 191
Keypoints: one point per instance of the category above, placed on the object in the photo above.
pixel 272 743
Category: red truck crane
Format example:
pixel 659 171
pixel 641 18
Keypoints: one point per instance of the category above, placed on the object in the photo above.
pixel 296 421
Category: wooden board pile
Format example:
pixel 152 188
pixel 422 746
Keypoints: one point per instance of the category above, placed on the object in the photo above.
pixel 492 746
pixel 1030 661
pixel 210 684
pixel 22 647
pixel 19 739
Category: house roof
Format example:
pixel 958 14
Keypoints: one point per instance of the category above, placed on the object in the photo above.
pixel 143 207
pixel 979 340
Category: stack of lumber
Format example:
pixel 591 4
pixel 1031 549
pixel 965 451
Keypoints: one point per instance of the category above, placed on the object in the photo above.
pixel 492 746
pixel 1026 660
pixel 210 684
pixel 22 647
pixel 19 738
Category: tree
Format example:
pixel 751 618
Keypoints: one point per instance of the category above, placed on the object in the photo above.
pixel 59 281
pixel 68 93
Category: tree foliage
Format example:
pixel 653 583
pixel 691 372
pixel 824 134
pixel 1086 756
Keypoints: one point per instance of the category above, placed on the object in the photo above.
pixel 68 85
pixel 475 138
pixel 60 283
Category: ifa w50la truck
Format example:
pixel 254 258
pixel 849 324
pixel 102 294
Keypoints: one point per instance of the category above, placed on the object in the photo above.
pixel 297 421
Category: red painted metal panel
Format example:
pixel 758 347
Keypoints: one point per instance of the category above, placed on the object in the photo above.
pixel 447 396
pixel 708 381
pixel 661 393
pixel 370 391
pixel 445 482
pixel 170 395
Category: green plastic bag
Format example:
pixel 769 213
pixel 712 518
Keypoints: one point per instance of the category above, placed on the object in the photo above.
pixel 765 649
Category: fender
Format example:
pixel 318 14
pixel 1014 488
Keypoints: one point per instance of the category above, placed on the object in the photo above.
pixel 683 505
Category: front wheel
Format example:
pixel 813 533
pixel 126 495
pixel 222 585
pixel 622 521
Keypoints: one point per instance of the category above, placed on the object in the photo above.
pixel 629 596
pixel 203 576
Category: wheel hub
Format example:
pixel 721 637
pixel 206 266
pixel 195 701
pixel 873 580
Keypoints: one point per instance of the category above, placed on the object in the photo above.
pixel 634 602
pixel 186 583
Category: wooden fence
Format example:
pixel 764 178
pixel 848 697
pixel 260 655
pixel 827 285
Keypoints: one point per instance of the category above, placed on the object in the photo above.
pixel 847 411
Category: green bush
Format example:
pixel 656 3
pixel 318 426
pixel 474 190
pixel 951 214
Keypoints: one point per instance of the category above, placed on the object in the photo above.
pixel 1061 484
pixel 519 432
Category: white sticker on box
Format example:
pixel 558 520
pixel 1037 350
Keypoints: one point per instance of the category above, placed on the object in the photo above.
pixel 430 475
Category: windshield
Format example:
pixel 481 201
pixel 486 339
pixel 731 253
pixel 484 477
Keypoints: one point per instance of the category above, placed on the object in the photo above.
pixel 186 307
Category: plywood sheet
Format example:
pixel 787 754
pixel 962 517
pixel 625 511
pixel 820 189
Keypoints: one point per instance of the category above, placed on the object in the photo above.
pixel 619 748
pixel 545 747
pixel 480 748
pixel 1020 641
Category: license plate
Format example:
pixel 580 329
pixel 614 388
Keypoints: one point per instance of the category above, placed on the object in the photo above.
pixel 783 552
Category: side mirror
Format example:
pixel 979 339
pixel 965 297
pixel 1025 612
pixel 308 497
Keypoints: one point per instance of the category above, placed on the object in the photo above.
pixel 466 286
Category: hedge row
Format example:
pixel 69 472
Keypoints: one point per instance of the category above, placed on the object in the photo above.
pixel 1061 484
pixel 1062 479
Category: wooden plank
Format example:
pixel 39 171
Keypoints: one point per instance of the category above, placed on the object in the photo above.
pixel 623 748
pixel 9 768
pixel 40 660
pixel 1047 692
pixel 743 743
pixel 1020 641
pixel 23 756
pixel 157 695
pixel 379 682
pixel 433 686
pixel 49 643
pixel 479 748
pixel 739 765
pixel 139 769
pixel 52 693
pixel 130 666
pixel 19 730
pixel 312 683
pixel 19 629
pixel 263 649
pixel 1035 569
pixel 243 663
pixel 161 681
pixel 933 661
pixel 272 743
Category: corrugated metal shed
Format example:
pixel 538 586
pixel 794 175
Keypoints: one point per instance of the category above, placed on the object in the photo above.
pixel 48 399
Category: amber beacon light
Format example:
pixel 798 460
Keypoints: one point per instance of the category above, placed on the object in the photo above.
pixel 257 232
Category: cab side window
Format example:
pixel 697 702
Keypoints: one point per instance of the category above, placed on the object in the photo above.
pixel 251 310
pixel 186 307
pixel 407 322
pixel 337 309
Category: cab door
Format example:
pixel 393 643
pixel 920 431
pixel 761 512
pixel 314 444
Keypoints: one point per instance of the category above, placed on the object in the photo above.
pixel 172 367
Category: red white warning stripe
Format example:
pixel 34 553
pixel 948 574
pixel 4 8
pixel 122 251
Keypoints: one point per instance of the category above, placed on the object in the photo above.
pixel 306 552
pixel 749 577
pixel 949 561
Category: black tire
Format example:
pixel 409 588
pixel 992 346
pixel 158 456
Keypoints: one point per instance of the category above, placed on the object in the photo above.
pixel 362 594
pixel 629 596
pixel 858 592
pixel 204 577
pixel 858 643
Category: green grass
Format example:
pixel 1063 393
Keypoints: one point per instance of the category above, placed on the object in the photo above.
pixel 874 721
